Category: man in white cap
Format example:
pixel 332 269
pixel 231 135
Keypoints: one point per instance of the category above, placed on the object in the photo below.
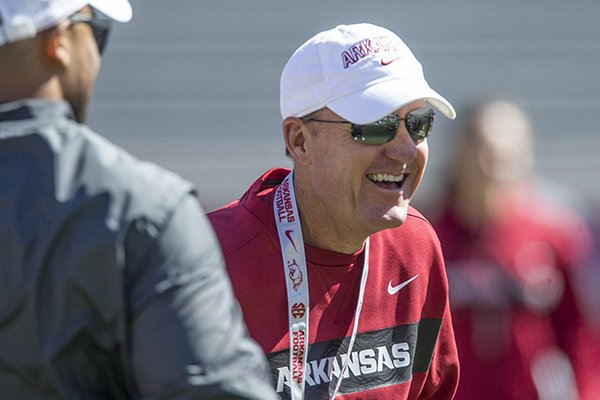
pixel 112 284
pixel 329 260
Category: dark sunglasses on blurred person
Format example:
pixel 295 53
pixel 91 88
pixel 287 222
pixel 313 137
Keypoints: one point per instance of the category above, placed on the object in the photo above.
pixel 100 26
pixel 418 123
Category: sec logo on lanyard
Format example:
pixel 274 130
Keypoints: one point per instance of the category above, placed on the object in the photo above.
pixel 289 230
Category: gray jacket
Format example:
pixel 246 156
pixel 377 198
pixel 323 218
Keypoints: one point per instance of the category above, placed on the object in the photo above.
pixel 112 284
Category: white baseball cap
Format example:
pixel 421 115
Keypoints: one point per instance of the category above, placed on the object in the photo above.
pixel 362 72
pixel 23 19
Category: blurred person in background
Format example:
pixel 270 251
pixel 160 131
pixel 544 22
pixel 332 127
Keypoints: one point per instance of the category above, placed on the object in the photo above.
pixel 513 257
pixel 112 283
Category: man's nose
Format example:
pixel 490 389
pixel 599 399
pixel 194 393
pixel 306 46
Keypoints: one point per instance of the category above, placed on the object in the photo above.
pixel 402 147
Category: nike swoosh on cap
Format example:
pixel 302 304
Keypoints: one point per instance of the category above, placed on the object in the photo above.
pixel 395 289
pixel 387 61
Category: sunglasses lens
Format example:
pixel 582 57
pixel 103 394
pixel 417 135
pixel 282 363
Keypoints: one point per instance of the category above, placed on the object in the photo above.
pixel 419 124
pixel 99 23
pixel 100 34
pixel 378 132
pixel 101 28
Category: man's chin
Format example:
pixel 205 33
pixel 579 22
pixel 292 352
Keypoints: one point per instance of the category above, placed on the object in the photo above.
pixel 395 217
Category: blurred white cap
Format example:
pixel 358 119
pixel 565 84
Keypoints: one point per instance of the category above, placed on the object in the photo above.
pixel 23 19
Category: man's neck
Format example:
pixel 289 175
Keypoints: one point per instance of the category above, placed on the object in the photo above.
pixel 29 89
pixel 321 228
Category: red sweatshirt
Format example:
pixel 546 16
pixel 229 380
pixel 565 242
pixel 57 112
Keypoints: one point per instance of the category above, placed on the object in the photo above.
pixel 520 329
pixel 405 346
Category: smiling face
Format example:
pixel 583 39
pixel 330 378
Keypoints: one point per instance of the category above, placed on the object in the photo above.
pixel 354 188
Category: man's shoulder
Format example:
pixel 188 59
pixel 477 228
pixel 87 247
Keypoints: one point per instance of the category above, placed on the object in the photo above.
pixel 242 220
pixel 76 168
pixel 119 166
pixel 236 225
pixel 146 187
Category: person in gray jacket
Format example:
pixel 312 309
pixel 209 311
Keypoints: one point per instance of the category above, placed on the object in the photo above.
pixel 112 284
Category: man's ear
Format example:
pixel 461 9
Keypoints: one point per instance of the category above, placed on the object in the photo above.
pixel 55 42
pixel 294 136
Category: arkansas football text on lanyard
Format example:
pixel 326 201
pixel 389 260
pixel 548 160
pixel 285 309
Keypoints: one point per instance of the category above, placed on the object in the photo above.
pixel 287 220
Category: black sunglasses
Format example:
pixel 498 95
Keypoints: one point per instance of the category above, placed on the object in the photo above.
pixel 100 27
pixel 418 124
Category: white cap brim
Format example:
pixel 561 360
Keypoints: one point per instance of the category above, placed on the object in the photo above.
pixel 119 10
pixel 384 98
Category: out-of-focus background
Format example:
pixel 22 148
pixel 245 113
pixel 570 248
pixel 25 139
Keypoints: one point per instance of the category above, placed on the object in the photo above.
pixel 194 85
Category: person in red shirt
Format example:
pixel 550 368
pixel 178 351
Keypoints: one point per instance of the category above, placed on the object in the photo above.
pixel 340 281
pixel 512 255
